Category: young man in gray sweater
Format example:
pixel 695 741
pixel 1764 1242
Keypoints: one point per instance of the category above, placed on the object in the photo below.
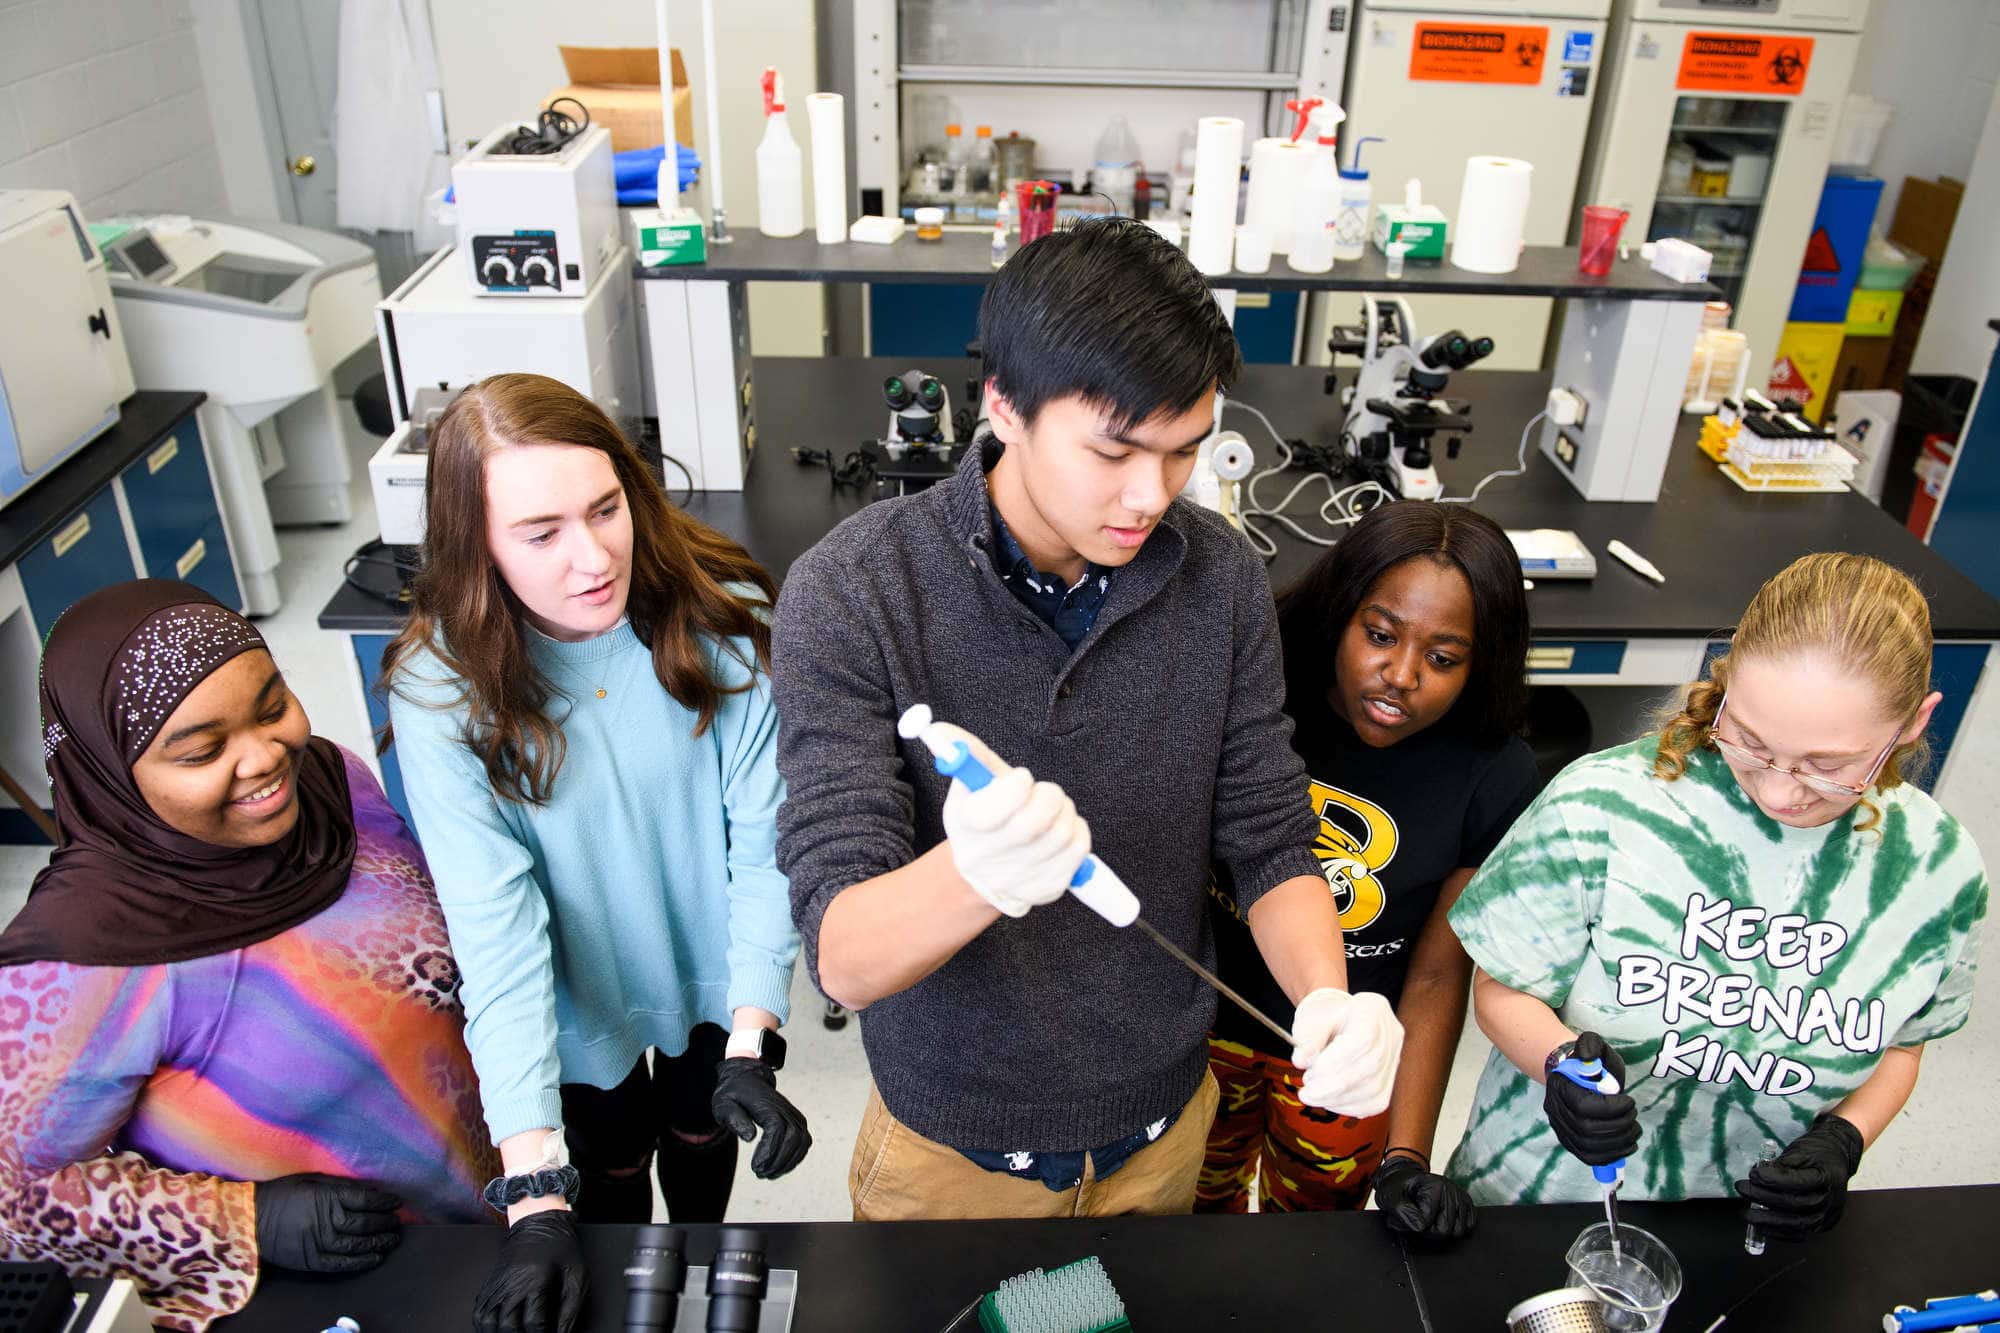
pixel 1117 649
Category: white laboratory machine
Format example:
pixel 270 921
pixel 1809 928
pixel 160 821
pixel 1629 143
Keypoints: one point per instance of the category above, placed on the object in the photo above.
pixel 400 469
pixel 433 332
pixel 63 365
pixel 1717 128
pixel 257 315
pixel 536 223
pixel 1440 81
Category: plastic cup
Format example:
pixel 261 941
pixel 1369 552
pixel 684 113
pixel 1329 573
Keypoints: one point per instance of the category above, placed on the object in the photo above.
pixel 1601 225
pixel 1253 248
pixel 1637 1282
pixel 1036 209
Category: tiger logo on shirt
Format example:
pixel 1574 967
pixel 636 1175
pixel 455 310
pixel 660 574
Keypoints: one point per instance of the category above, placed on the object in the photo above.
pixel 1357 839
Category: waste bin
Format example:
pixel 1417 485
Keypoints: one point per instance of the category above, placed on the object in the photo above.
pixel 1932 405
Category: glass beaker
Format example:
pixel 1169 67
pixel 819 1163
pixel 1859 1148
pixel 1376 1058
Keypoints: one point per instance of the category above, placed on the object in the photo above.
pixel 1637 1281
pixel 1601 225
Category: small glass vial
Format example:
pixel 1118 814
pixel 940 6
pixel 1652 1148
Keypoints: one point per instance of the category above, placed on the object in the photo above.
pixel 1395 252
pixel 930 224
pixel 1753 1239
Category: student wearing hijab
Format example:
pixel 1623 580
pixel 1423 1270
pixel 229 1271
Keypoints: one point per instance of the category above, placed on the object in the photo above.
pixel 230 1033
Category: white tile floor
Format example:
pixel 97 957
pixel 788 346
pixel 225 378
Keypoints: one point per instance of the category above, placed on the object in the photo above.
pixel 1947 1136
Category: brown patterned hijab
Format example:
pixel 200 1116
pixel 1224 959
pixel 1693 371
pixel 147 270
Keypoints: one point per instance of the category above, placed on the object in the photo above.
pixel 124 888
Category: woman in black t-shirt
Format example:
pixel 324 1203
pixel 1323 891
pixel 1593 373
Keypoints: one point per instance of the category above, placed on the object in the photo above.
pixel 1406 678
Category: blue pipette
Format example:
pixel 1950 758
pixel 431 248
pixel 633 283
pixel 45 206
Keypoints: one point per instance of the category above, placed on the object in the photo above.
pixel 1593 1075
pixel 1979 1310
pixel 1095 884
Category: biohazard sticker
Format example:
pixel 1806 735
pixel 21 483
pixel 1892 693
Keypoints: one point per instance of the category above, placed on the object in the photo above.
pixel 1744 62
pixel 1478 53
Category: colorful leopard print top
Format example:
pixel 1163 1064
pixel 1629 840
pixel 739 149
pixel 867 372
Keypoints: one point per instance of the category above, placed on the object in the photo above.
pixel 135 1101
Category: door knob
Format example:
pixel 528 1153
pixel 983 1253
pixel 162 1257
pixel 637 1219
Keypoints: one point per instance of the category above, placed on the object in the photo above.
pixel 303 165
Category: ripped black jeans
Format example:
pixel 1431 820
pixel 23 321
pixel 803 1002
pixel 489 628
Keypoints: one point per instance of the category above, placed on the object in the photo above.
pixel 661 1116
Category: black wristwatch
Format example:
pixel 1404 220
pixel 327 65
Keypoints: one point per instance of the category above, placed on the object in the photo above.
pixel 764 1044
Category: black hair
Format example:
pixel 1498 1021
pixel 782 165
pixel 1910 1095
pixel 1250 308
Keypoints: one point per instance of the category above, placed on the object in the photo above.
pixel 1106 310
pixel 1314 612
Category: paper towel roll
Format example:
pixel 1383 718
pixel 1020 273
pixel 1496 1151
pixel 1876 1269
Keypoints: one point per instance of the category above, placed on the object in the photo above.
pixel 1218 171
pixel 827 114
pixel 1276 168
pixel 1492 214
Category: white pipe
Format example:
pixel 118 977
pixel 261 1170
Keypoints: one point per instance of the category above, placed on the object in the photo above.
pixel 670 167
pixel 712 168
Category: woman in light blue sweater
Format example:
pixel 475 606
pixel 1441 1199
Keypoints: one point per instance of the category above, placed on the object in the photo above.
pixel 580 707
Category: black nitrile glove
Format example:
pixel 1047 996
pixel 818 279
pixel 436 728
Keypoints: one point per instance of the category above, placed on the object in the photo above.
pixel 1596 1128
pixel 1805 1189
pixel 747 1101
pixel 1421 1202
pixel 539 1280
pixel 324 1224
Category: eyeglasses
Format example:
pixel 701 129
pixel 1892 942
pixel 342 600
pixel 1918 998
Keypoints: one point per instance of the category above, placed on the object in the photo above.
pixel 1742 758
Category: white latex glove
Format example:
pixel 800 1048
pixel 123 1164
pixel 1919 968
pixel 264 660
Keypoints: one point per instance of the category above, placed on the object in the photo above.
pixel 1016 841
pixel 1348 1047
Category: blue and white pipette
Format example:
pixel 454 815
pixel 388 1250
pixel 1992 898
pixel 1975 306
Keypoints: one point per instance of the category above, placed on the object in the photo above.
pixel 1593 1075
pixel 1095 884
pixel 1979 1310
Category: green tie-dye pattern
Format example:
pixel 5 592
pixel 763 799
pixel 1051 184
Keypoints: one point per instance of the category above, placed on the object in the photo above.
pixel 1604 865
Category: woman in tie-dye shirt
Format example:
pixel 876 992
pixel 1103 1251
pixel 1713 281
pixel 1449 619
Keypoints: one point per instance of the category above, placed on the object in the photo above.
pixel 1751 917
pixel 229 1026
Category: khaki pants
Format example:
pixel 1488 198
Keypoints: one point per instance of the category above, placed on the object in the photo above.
pixel 898 1175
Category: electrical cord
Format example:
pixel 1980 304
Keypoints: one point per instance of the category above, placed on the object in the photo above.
pixel 855 470
pixel 1520 466
pixel 1342 507
pixel 553 129
pixel 687 497
pixel 403 561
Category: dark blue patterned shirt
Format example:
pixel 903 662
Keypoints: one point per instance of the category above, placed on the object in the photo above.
pixel 1069 611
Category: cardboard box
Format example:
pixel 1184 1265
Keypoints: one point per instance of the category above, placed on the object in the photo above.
pixel 1863 364
pixel 1925 212
pixel 621 87
pixel 1423 229
pixel 670 238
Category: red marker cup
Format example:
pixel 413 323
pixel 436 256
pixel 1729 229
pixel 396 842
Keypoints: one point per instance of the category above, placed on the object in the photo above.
pixel 1601 225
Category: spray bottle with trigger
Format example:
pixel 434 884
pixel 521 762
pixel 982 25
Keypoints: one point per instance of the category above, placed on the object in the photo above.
pixel 1593 1075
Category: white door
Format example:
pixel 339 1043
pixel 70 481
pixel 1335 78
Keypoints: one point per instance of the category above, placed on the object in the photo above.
pixel 1731 98
pixel 1442 86
pixel 57 384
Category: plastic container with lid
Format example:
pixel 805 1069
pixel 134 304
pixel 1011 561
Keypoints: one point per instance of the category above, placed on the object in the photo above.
pixel 984 160
pixel 930 224
pixel 957 157
pixel 1711 177
pixel 1352 216
pixel 1115 174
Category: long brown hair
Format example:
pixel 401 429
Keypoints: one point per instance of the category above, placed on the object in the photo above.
pixel 466 614
pixel 1864 614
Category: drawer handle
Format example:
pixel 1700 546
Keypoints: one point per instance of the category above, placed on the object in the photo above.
pixel 1551 659
pixel 193 556
pixel 162 456
pixel 78 529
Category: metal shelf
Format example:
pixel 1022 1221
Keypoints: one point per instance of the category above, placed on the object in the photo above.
pixel 1708 201
pixel 1766 131
pixel 1086 77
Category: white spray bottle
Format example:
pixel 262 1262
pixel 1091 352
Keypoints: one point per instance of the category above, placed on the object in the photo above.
pixel 781 209
pixel 1319 188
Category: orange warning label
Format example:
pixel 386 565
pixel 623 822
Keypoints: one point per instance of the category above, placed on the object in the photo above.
pixel 1478 53
pixel 1744 62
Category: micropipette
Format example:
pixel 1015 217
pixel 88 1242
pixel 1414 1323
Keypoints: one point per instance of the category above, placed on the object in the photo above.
pixel 1593 1075
pixel 1095 884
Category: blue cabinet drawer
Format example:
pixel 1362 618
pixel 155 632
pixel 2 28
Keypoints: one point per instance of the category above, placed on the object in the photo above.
pixel 85 553
pixel 1576 657
pixel 176 516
